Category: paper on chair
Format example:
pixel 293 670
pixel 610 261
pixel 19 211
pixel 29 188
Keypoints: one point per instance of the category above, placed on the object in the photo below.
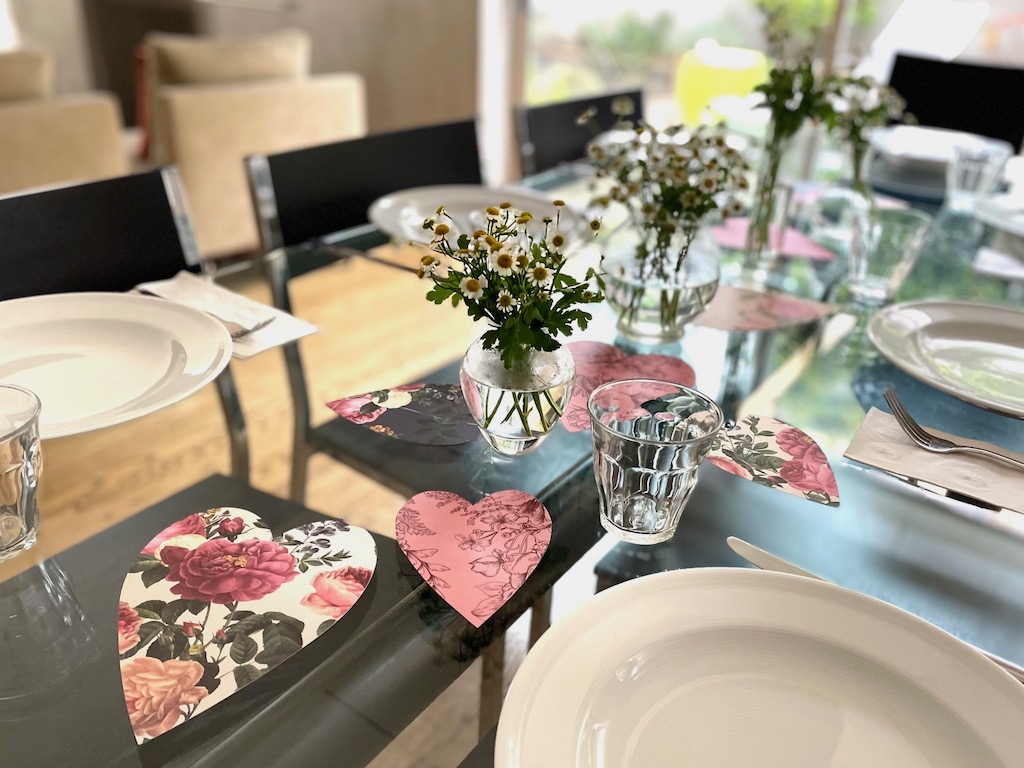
pixel 881 443
pixel 206 296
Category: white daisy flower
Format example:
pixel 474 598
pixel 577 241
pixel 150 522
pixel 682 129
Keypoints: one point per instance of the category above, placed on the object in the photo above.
pixel 502 262
pixel 473 287
pixel 506 303
pixel 539 275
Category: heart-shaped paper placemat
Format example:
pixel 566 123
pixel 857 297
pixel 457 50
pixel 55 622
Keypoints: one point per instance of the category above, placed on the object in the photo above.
pixel 214 601
pixel 743 309
pixel 475 556
pixel 771 453
pixel 598 363
pixel 429 414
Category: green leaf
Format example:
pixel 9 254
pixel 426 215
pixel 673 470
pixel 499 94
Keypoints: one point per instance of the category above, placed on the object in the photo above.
pixel 195 607
pixel 324 626
pixel 284 618
pixel 143 613
pixel 173 610
pixel 238 615
pixel 147 632
pixel 243 649
pixel 151 576
pixel 283 630
pixel 248 625
pixel 245 675
pixel 277 647
pixel 153 606
pixel 144 563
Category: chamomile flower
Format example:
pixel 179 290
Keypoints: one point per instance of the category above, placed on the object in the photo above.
pixel 506 302
pixel 539 275
pixel 522 261
pixel 473 287
pixel 502 261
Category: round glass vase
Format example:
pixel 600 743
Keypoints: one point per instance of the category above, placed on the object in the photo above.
pixel 516 407
pixel 654 298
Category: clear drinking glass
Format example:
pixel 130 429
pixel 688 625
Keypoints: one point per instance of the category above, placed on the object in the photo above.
pixel 883 250
pixel 973 172
pixel 649 438
pixel 20 464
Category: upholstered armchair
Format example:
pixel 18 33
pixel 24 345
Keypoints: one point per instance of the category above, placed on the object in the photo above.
pixel 214 101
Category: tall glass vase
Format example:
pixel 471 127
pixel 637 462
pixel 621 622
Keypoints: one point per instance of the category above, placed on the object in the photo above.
pixel 768 213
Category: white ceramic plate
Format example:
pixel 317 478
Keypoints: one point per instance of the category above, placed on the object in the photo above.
pixel 1005 212
pixel 99 359
pixel 736 667
pixel 401 214
pixel 923 147
pixel 972 351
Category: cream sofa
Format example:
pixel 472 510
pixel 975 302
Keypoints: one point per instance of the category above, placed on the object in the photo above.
pixel 213 101
pixel 46 139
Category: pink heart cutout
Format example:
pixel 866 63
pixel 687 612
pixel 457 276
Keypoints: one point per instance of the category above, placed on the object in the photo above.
pixel 598 363
pixel 777 455
pixel 214 601
pixel 475 556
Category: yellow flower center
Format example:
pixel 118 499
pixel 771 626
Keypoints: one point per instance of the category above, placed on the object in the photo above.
pixel 540 274
pixel 239 561
pixel 472 285
pixel 504 260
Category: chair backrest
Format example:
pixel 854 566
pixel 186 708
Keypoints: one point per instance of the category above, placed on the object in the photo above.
pixel 974 98
pixel 60 140
pixel 102 236
pixel 549 135
pixel 212 128
pixel 309 193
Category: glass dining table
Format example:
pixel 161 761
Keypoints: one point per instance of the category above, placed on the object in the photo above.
pixel 345 697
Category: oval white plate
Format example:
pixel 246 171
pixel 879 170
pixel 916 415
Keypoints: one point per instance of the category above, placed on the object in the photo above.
pixel 401 214
pixel 972 351
pixel 1005 212
pixel 99 359
pixel 925 147
pixel 735 667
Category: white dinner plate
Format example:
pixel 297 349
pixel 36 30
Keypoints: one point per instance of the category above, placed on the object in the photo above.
pixel 923 147
pixel 1004 212
pixel 972 351
pixel 99 359
pixel 717 667
pixel 401 214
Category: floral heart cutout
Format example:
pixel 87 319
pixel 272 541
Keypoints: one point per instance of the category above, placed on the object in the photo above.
pixel 598 363
pixel 774 454
pixel 475 556
pixel 428 414
pixel 214 601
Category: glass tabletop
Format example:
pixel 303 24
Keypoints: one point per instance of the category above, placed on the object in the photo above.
pixel 355 689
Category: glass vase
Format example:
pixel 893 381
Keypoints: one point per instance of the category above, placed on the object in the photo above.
pixel 516 407
pixel 768 212
pixel 656 293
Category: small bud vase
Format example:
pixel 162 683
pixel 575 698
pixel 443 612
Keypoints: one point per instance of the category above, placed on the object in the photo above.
pixel 516 407
pixel 655 301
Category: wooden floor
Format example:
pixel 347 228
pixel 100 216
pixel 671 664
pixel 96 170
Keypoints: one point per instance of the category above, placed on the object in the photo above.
pixel 376 330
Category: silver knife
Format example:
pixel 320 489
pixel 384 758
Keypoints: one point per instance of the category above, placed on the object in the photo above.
pixel 766 561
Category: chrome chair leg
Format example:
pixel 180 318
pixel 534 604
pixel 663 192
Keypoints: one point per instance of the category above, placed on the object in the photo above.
pixel 540 617
pixel 238 437
pixel 492 682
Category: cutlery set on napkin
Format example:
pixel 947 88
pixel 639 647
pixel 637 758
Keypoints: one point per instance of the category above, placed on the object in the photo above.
pixel 254 327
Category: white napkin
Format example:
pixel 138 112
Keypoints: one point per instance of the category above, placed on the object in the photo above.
pixel 989 261
pixel 206 296
pixel 881 443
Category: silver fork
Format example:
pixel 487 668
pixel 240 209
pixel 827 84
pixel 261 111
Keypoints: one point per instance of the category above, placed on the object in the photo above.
pixel 238 331
pixel 934 443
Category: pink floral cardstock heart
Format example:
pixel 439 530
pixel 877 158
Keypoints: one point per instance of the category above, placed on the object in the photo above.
pixel 744 309
pixel 770 452
pixel 214 601
pixel 475 556
pixel 598 363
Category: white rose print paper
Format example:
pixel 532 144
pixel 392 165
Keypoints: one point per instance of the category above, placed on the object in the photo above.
pixel 214 601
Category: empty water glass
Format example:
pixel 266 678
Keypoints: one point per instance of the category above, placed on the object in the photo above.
pixel 20 463
pixel 885 246
pixel 974 171
pixel 649 438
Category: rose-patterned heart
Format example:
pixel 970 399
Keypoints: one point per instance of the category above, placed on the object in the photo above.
pixel 214 601
pixel 774 454
pixel 429 414
pixel 475 556
pixel 598 363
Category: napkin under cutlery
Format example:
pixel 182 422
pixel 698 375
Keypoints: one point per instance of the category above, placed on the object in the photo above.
pixel 881 443
pixel 230 307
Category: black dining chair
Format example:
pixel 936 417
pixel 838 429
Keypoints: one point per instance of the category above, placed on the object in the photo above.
pixel 549 135
pixel 309 201
pixel 107 236
pixel 961 96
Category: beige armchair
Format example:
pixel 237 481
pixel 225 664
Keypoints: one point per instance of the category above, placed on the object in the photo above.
pixel 47 139
pixel 214 101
